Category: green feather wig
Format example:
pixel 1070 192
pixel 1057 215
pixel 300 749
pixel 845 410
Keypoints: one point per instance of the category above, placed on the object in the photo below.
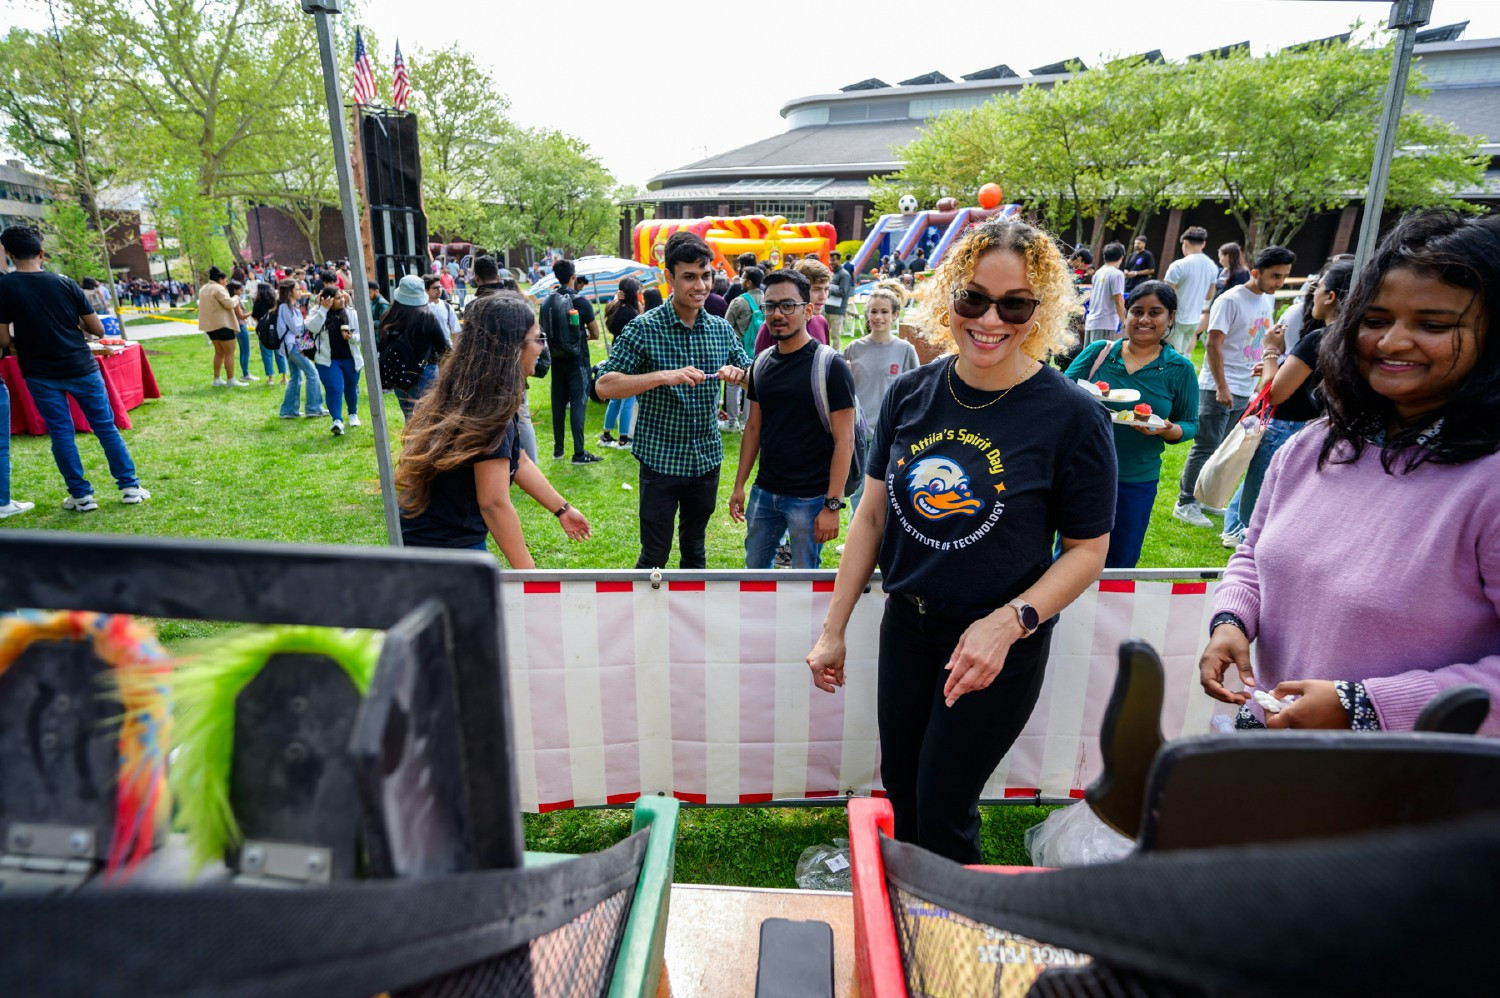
pixel 204 688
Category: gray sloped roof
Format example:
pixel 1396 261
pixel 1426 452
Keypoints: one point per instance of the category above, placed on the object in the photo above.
pixel 825 147
pixel 1475 110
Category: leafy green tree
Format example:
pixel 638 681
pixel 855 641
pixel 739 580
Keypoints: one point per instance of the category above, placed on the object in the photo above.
pixel 552 191
pixel 73 248
pixel 59 114
pixel 461 125
pixel 212 87
pixel 1293 134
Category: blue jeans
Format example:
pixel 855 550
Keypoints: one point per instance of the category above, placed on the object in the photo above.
pixel 51 397
pixel 1133 502
pixel 768 515
pixel 244 339
pixel 619 412
pixel 341 384
pixel 406 398
pixel 1242 507
pixel 303 369
pixel 4 445
pixel 266 361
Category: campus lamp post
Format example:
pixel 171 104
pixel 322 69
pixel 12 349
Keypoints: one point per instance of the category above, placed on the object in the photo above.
pixel 320 9
pixel 1406 17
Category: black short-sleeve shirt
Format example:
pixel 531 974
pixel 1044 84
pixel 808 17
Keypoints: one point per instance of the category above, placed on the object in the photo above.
pixel 452 518
pixel 975 496
pixel 795 452
pixel 43 310
pixel 1303 405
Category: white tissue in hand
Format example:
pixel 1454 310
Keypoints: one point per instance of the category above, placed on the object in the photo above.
pixel 1270 703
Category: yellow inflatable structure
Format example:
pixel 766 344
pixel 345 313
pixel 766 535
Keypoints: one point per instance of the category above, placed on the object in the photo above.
pixel 765 236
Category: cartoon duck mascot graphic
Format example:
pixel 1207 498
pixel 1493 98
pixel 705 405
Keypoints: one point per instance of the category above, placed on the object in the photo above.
pixel 939 488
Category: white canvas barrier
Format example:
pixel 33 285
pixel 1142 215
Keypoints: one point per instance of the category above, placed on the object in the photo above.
pixel 698 689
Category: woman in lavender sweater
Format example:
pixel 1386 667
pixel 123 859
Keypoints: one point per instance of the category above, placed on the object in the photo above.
pixel 1370 576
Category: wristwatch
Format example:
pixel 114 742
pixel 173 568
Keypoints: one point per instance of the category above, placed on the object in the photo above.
pixel 1027 615
pixel 834 503
pixel 562 509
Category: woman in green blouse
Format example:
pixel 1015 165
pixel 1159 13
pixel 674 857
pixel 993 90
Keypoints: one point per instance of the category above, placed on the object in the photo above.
pixel 1142 359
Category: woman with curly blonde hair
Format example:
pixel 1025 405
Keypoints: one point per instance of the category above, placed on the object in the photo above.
pixel 979 459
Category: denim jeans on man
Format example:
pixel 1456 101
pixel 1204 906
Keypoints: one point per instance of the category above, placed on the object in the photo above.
pixel 1214 421
pixel 1242 507
pixel 303 369
pixel 768 516
pixel 51 397
pixel 4 445
pixel 340 385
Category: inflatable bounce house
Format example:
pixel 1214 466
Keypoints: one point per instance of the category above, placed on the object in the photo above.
pixel 729 237
pixel 901 234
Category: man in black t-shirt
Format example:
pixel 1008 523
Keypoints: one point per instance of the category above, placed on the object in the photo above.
pixel 800 486
pixel 570 376
pixel 1140 267
pixel 43 315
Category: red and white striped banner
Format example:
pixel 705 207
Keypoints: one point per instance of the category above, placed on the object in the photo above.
pixel 698 689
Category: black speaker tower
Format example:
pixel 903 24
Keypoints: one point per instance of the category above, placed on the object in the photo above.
pixel 393 189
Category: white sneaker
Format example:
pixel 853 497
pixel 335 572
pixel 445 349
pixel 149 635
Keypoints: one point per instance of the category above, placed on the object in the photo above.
pixel 15 506
pixel 338 427
pixel 82 504
pixel 1231 539
pixel 240 383
pixel 249 377
pixel 1216 511
pixel 133 495
pixel 354 419
pixel 219 382
pixel 1190 513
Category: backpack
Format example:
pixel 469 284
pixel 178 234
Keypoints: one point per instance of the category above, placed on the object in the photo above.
pixel 398 361
pixel 757 319
pixel 265 331
pixel 564 340
pixel 822 361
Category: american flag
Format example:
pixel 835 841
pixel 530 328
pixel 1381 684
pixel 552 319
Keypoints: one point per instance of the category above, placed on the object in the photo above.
pixel 402 86
pixel 364 72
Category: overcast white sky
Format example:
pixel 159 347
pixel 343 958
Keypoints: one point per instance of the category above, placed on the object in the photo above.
pixel 656 86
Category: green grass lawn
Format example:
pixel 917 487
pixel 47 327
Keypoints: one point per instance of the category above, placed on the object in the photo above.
pixel 221 464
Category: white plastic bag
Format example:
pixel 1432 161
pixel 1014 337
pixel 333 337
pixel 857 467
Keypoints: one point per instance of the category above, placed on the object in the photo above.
pixel 1074 836
pixel 1225 467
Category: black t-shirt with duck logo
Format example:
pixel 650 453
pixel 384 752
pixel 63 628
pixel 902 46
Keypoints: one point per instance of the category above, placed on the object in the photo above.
pixel 976 495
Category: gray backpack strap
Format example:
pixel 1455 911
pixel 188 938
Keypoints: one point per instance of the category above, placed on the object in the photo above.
pixel 822 361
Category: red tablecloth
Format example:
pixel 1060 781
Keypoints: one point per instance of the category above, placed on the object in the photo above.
pixel 128 379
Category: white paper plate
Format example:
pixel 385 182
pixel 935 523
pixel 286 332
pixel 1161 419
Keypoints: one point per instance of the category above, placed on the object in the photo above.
pixel 1123 396
pixel 1128 418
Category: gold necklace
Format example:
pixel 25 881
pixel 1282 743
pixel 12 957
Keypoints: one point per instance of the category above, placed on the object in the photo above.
pixel 986 405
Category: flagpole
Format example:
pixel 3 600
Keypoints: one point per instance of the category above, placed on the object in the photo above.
pixel 320 9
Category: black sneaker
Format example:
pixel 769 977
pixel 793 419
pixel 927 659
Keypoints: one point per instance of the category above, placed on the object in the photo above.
pixel 586 458
pixel 557 455
pixel 606 439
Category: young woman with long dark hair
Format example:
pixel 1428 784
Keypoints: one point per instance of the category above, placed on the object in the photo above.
pixel 264 302
pixel 461 451
pixel 291 327
pixel 619 413
pixel 1370 575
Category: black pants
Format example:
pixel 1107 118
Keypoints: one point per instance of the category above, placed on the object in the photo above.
pixel 662 497
pixel 569 395
pixel 935 759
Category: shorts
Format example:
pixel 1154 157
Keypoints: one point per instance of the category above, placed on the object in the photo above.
pixel 223 334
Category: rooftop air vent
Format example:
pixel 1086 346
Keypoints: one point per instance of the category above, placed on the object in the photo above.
pixel 925 79
pixel 871 84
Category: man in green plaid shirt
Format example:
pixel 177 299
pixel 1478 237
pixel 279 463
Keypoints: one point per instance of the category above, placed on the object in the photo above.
pixel 674 357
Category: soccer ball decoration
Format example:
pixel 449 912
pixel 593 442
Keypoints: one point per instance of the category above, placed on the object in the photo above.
pixel 907 204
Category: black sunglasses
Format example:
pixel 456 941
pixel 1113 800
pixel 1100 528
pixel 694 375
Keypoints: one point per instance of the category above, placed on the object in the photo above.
pixel 1013 309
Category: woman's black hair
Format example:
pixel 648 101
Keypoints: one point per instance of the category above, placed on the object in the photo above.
pixel 1336 278
pixel 1457 250
pixel 265 300
pixel 215 274
pixel 1164 292
pixel 650 298
pixel 1236 257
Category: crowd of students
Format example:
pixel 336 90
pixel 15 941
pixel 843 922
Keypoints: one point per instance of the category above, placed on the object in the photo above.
pixel 1366 573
